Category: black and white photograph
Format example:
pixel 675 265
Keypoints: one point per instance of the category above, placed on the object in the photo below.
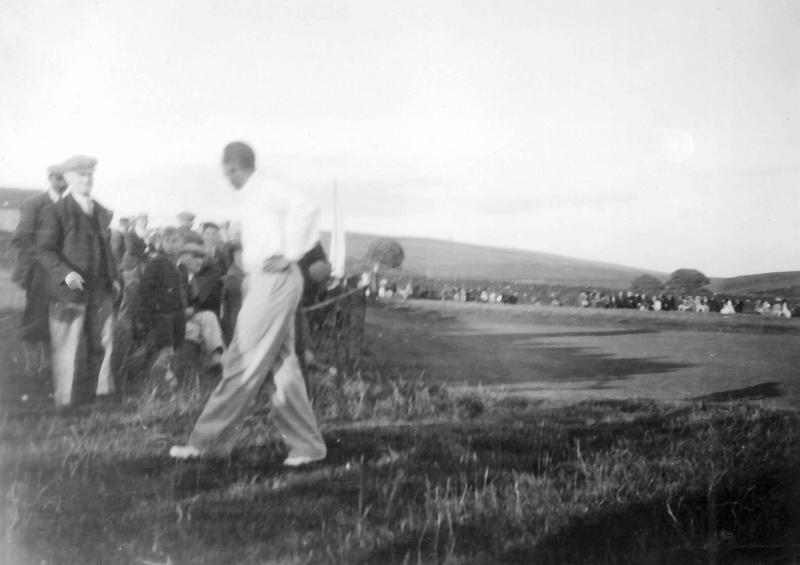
pixel 443 282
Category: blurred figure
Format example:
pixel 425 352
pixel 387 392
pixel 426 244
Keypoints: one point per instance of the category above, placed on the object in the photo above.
pixel 214 246
pixel 165 311
pixel 32 276
pixel 185 222
pixel 205 292
pixel 728 308
pixel 118 239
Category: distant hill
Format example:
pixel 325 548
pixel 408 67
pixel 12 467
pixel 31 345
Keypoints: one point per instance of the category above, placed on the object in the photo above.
pixel 765 285
pixel 440 259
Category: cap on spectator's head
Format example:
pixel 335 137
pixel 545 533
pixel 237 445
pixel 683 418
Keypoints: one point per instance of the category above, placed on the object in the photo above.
pixel 193 237
pixel 55 170
pixel 194 249
pixel 78 164
pixel 186 217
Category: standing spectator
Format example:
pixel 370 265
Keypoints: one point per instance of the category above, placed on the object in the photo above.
pixel 31 275
pixel 278 228
pixel 118 240
pixel 75 249
pixel 185 223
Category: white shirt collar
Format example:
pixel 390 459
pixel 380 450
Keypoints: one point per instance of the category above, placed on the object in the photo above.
pixel 54 196
pixel 85 202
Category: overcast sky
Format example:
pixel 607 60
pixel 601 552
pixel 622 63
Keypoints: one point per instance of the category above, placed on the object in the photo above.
pixel 652 134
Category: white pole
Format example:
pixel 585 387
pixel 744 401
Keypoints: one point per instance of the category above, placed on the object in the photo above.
pixel 337 255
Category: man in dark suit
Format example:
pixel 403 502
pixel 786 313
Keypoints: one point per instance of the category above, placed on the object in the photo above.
pixel 29 273
pixel 74 246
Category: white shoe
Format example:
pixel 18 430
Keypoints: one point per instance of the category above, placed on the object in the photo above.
pixel 299 460
pixel 184 452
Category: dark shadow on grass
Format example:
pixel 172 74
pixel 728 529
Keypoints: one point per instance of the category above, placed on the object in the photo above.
pixel 232 504
pixel 756 522
pixel 755 392
pixel 521 358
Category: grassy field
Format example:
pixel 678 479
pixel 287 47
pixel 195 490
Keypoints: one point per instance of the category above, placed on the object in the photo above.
pixel 416 474
pixel 570 354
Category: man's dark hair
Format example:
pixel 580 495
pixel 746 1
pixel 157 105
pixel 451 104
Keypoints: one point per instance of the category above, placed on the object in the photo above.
pixel 240 154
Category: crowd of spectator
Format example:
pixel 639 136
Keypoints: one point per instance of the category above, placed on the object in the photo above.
pixel 183 290
pixel 491 292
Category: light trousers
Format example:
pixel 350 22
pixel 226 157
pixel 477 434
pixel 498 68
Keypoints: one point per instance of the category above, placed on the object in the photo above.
pixel 81 336
pixel 203 328
pixel 263 341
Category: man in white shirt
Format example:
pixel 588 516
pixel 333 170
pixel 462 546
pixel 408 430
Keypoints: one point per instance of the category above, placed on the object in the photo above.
pixel 278 226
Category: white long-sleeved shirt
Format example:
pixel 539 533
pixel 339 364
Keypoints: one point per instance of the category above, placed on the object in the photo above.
pixel 276 219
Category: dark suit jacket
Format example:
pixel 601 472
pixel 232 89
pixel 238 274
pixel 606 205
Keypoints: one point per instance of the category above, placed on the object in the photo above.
pixel 205 293
pixel 25 236
pixel 65 244
pixel 162 298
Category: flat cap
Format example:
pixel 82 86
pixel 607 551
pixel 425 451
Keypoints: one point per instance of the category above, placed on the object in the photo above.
pixel 191 248
pixel 79 164
pixel 186 217
pixel 193 237
pixel 55 170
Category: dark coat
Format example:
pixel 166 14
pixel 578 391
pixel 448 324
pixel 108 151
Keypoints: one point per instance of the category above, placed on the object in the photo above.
pixel 25 237
pixel 205 292
pixel 161 302
pixel 71 241
pixel 118 245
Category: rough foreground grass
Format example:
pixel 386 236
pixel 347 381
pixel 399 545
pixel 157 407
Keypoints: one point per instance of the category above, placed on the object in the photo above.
pixel 414 475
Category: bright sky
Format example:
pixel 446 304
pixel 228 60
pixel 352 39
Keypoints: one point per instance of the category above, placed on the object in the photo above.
pixel 646 133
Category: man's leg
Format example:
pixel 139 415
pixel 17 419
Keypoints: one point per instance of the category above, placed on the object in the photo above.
pixel 35 326
pixel 208 330
pixel 100 343
pixel 292 409
pixel 66 334
pixel 262 328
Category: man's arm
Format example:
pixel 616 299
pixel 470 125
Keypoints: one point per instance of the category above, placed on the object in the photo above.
pixel 24 237
pixel 49 246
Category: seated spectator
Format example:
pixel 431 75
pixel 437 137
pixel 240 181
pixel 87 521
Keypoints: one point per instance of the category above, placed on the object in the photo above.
pixel 164 312
pixel 205 292
pixel 728 308
pixel 204 303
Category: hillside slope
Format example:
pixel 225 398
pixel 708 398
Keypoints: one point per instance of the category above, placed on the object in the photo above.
pixel 767 285
pixel 452 260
